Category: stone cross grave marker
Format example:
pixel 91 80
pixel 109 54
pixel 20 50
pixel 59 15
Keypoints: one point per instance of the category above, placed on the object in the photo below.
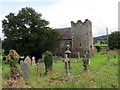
pixel 67 67
pixel 27 61
pixel 68 52
pixel 67 62
pixel 33 61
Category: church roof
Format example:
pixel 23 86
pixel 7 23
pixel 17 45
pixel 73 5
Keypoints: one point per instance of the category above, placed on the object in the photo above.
pixel 65 32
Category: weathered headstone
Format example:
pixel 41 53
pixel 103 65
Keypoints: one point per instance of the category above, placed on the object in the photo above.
pixel 21 64
pixel 67 67
pixel 21 59
pixel 67 62
pixel 33 61
pixel 68 52
pixel 79 55
pixel 27 61
pixel 40 60
pixel 25 70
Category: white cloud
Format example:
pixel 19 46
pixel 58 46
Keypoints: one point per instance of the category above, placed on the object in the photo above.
pixel 15 0
pixel 30 1
pixel 102 13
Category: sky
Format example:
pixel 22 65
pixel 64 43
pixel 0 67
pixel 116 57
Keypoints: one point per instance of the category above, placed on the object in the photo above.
pixel 102 13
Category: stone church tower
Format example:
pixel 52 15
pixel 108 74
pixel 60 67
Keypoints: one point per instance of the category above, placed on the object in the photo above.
pixel 79 37
pixel 82 39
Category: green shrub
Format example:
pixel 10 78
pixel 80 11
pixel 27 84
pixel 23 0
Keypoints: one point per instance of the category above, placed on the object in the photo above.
pixel 48 60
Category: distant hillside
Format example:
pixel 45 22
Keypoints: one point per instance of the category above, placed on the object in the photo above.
pixel 104 37
pixel 100 41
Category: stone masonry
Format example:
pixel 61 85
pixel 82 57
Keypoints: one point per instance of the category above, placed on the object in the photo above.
pixel 82 39
pixel 79 37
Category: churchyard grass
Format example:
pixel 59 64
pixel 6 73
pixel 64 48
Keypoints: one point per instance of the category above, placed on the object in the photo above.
pixel 101 74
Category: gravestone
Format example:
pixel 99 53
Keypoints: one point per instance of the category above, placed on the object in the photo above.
pixel 40 60
pixel 67 75
pixel 33 61
pixel 21 59
pixel 79 55
pixel 68 52
pixel 21 63
pixel 67 62
pixel 27 61
pixel 25 70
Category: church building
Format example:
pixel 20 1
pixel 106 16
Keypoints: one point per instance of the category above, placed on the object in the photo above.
pixel 79 37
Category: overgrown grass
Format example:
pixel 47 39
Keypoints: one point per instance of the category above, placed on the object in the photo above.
pixel 101 74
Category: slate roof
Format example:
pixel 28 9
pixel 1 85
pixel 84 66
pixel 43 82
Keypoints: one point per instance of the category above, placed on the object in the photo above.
pixel 65 32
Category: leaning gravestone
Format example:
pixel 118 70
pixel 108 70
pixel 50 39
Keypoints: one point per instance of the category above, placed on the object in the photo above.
pixel 33 61
pixel 27 61
pixel 25 70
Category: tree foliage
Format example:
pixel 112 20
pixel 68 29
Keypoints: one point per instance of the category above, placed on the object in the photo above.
pixel 28 33
pixel 114 40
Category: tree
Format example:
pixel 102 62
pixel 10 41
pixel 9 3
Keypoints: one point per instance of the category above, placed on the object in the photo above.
pixel 28 33
pixel 114 40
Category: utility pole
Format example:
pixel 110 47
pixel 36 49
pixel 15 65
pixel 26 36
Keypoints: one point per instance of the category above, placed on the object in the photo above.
pixel 108 57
